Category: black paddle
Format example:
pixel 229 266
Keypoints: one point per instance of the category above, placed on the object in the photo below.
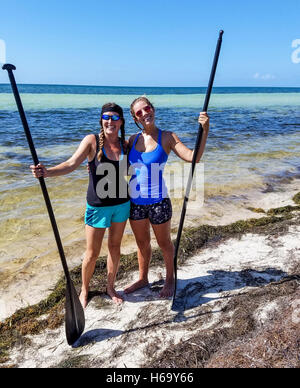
pixel 74 316
pixel 196 149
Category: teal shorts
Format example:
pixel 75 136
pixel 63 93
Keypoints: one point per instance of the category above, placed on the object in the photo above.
pixel 102 217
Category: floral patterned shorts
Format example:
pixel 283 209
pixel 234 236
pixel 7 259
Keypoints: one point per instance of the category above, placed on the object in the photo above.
pixel 158 213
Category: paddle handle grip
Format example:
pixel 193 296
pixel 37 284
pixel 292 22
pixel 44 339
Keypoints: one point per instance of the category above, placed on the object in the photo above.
pixel 10 69
pixel 207 98
pixel 204 109
pixel 213 72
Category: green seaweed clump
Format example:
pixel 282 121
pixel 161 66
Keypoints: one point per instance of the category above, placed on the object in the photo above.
pixel 296 198
pixel 256 210
pixel 283 210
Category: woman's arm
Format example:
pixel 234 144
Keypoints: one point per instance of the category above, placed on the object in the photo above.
pixel 69 165
pixel 183 151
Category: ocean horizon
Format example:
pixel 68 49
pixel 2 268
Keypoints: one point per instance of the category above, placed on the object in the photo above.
pixel 127 89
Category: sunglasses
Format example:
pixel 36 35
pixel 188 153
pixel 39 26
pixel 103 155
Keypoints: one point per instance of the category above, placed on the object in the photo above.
pixel 113 117
pixel 147 109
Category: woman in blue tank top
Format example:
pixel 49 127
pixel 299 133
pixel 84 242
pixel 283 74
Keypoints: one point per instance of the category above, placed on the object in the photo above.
pixel 150 204
pixel 108 204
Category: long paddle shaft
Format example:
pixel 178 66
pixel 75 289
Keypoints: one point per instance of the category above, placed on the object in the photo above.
pixel 72 296
pixel 196 149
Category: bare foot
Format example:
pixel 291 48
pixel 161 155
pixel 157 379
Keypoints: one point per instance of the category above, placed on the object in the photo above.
pixel 168 290
pixel 83 297
pixel 136 286
pixel 116 298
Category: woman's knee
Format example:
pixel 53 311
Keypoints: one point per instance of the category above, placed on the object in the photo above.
pixel 166 244
pixel 114 245
pixel 91 255
pixel 144 243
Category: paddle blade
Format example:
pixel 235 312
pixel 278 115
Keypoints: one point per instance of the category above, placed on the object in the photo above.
pixel 74 317
pixel 179 301
pixel 177 305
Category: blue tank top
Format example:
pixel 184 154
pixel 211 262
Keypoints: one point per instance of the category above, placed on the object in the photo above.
pixel 147 185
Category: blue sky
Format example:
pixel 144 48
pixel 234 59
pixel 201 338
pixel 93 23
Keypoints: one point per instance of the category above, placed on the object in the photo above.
pixel 151 43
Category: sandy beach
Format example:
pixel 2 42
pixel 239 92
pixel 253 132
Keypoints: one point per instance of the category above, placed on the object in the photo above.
pixel 238 288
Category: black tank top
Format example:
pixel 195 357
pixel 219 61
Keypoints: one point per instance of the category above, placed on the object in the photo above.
pixel 107 180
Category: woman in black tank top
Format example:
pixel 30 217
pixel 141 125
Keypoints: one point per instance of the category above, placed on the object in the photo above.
pixel 103 210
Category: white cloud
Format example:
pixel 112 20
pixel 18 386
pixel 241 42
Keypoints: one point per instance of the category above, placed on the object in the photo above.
pixel 296 53
pixel 295 43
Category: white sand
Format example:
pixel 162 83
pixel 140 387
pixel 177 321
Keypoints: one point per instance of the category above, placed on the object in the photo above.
pixel 141 328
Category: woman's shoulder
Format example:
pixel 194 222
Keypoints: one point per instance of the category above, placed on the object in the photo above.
pixel 131 139
pixel 166 133
pixel 169 140
pixel 90 138
pixel 167 136
pixel 89 142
